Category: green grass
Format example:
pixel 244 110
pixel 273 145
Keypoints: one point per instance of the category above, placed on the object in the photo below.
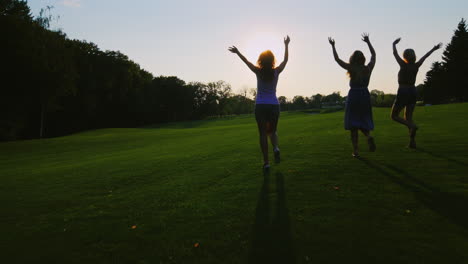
pixel 74 199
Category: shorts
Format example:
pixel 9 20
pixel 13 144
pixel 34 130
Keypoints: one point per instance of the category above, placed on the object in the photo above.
pixel 406 96
pixel 267 112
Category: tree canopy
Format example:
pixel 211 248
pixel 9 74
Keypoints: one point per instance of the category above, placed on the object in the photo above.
pixel 446 80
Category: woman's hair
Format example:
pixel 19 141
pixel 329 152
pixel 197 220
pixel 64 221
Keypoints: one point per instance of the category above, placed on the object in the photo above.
pixel 266 62
pixel 356 59
pixel 409 56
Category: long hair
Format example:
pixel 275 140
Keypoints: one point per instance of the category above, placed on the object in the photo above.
pixel 266 63
pixel 409 56
pixel 357 61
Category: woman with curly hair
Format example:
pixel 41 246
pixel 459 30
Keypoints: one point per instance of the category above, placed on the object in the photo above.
pixel 266 104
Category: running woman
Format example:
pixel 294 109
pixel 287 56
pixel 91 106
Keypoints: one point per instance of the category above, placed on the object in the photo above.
pixel 406 96
pixel 358 110
pixel 267 109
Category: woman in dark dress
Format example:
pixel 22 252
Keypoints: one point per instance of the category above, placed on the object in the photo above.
pixel 406 96
pixel 358 110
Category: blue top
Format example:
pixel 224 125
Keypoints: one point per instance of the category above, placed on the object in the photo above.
pixel 266 90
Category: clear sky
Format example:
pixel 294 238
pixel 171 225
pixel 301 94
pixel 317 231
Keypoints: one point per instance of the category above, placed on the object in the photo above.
pixel 189 38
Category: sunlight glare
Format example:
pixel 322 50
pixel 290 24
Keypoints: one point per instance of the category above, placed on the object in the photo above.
pixel 260 42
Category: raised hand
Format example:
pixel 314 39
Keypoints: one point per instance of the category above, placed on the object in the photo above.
pixel 287 40
pixel 233 49
pixel 423 58
pixel 396 41
pixel 365 37
pixel 331 41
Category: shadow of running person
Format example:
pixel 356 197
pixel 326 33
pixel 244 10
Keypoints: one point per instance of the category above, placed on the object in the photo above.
pixel 272 240
pixel 452 206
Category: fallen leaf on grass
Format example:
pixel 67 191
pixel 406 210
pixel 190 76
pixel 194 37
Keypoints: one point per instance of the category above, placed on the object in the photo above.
pixel 133 226
pixel 336 187
pixel 196 245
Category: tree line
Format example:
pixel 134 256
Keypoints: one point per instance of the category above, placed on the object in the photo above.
pixel 447 81
pixel 51 85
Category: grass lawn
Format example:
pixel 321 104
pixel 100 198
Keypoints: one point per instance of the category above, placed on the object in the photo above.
pixel 194 192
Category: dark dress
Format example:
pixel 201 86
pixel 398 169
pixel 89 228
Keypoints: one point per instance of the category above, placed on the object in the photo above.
pixel 358 109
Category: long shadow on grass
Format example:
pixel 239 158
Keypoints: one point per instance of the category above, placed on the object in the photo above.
pixel 449 205
pixel 272 240
pixel 461 163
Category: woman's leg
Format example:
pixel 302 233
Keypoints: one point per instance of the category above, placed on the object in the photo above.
pixel 274 139
pixel 365 132
pixel 396 115
pixel 354 141
pixel 412 129
pixel 273 133
pixel 409 116
pixel 262 130
pixel 370 139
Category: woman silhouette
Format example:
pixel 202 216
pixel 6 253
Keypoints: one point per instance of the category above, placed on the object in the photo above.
pixel 406 96
pixel 266 104
pixel 358 110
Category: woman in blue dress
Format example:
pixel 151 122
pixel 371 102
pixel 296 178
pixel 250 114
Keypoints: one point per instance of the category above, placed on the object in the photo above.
pixel 358 110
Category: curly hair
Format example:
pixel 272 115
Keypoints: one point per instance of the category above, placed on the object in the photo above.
pixel 266 63
pixel 357 61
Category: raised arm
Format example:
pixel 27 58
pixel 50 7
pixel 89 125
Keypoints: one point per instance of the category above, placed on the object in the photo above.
pixel 343 64
pixel 286 55
pixel 252 67
pixel 423 58
pixel 365 38
pixel 395 52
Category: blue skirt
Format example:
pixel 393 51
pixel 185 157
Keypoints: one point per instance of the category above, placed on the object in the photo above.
pixel 358 110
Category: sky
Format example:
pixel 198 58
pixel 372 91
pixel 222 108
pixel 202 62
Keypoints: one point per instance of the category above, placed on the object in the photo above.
pixel 189 38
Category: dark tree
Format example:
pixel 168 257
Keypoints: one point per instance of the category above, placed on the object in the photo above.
pixel 283 101
pixel 299 102
pixel 316 101
pixel 446 81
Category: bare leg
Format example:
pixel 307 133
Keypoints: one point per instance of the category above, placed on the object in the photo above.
pixel 396 116
pixel 274 139
pixel 412 130
pixel 370 139
pixel 354 141
pixel 409 117
pixel 272 133
pixel 262 130
pixel 365 132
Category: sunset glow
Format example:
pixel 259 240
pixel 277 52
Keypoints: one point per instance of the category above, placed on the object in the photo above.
pixel 257 43
pixel 168 37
